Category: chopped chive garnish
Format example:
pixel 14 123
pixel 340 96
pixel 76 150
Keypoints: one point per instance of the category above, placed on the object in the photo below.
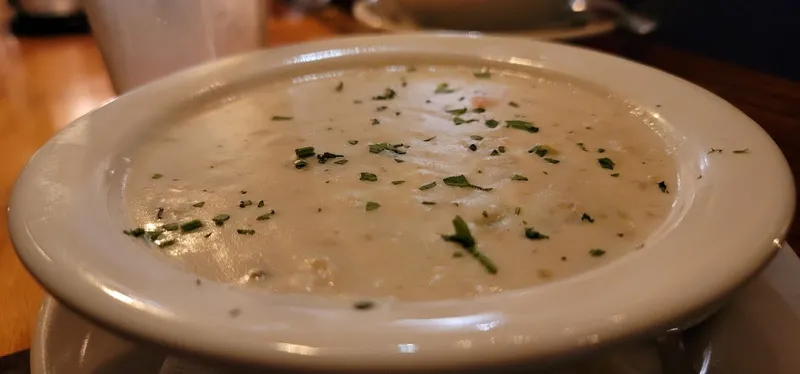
pixel 380 147
pixel 399 160
pixel 304 152
pixel 340 162
pixel 245 203
pixel 464 238
pixel 191 225
pixel 582 147
pixel 323 158
pixel 473 147
pixel 429 139
pixel 352 142
pixel 476 137
pixel 243 192
pixel 363 305
pixel 357 102
pixel 714 150
pixel 614 175
pixel 461 181
pixel 165 243
pixel 458 254
pixel 171 226
pixel 245 231
pixel 371 205
pixel 482 74
pixel 137 232
pixel 551 160
pixel 490 123
pixel 586 217
pixel 517 211
pixel 740 151
pixel 443 88
pixel 160 213
pixel 369 177
pixel 513 104
pixel 339 87
pixel 663 186
pixel 428 186
pixel 260 204
pixel 539 150
pixel 381 108
pixel 606 163
pixel 522 125
pixel 220 219
pixel 157 176
pixel 517 177
pixel 601 150
pixel 597 252
pixel 199 204
pixel 375 121
pixel 478 110
pixel 460 121
pixel 299 164
pixel 282 118
pixel 264 217
pixel 388 94
pixel 428 203
pixel 494 153
pixel 501 149
pixel 208 235
pixel 457 112
pixel 398 182
pixel 532 234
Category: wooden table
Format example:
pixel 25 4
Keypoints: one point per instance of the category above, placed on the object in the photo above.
pixel 47 82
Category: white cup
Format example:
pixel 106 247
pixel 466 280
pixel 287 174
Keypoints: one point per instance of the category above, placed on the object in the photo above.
pixel 142 40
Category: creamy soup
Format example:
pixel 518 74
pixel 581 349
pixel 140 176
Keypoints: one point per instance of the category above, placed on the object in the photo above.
pixel 415 183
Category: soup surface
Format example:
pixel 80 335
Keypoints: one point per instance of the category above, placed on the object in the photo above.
pixel 423 183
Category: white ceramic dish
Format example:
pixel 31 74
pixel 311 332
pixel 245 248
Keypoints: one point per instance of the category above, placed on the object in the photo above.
pixel 364 13
pixel 724 227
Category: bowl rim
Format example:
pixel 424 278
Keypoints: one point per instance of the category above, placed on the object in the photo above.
pixel 739 233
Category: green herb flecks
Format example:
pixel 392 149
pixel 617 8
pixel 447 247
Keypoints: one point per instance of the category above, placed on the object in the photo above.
pixel 532 234
pixel 304 152
pixel 615 175
pixel 494 153
pixel 476 137
pixel 501 149
pixel 473 147
pixel 539 150
pixel 522 125
pixel 482 74
pixel 381 108
pixel 460 121
pixel 518 177
pixel 282 118
pixel 160 213
pixel 596 252
pixel 380 147
pixel 457 112
pixel 490 123
pixel 398 182
pixel 245 203
pixel 399 161
pixel 478 110
pixel 220 219
pixel 429 139
pixel 340 162
pixel 601 150
pixel 199 204
pixel 363 305
pixel 588 218
pixel 428 186
pixel 137 232
pixel 388 94
pixel 245 231
pixel 191 225
pixel 171 226
pixel 357 102
pixel 517 211
pixel 260 204
pixel 371 205
pixel 352 142
pixel 461 181
pixel 164 243
pixel 551 160
pixel 714 150
pixel 513 104
pixel 741 151
pixel 606 163
pixel 157 176
pixel 323 158
pixel 339 87
pixel 663 186
pixel 264 217
pixel 426 202
pixel 443 88
pixel 375 121
pixel 582 147
pixel 463 237
pixel 369 177
pixel 299 164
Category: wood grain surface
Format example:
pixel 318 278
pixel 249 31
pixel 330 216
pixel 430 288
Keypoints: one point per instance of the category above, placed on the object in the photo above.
pixel 47 82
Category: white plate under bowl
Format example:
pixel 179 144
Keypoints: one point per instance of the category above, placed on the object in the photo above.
pixel 723 228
